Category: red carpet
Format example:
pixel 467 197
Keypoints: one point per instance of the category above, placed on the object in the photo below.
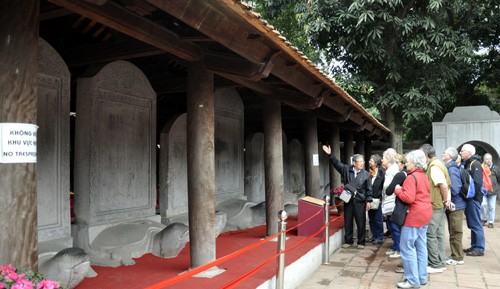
pixel 150 269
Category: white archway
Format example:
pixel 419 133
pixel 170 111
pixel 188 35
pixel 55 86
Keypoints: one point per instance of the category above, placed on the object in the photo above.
pixel 477 125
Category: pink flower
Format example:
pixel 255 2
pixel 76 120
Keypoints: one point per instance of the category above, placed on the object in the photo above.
pixel 47 284
pixel 12 276
pixel 338 190
pixel 21 276
pixel 22 284
pixel 8 271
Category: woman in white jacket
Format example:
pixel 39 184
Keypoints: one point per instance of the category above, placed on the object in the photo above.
pixel 389 162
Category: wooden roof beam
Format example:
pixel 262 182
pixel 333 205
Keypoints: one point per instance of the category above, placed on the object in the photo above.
pixel 237 66
pixel 179 85
pixel 253 85
pixel 55 13
pixel 104 52
pixel 297 99
pixel 249 37
pixel 326 114
pixel 295 77
pixel 286 96
pixel 336 103
pixel 133 25
pixel 207 17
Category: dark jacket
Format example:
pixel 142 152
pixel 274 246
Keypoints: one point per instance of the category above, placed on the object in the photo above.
pixel 495 179
pixel 363 183
pixel 398 179
pixel 378 183
pixel 476 172
pixel 456 185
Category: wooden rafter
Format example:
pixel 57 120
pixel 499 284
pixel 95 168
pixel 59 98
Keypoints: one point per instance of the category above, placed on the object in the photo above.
pixel 129 23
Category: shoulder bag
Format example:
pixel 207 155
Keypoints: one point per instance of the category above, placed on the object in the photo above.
pixel 388 205
pixel 349 191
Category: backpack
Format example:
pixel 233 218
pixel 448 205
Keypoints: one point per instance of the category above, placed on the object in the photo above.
pixel 468 189
pixel 486 178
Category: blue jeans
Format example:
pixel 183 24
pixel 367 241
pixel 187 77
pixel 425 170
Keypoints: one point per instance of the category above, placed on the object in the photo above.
pixel 376 223
pixel 473 218
pixel 488 208
pixel 414 254
pixel 396 236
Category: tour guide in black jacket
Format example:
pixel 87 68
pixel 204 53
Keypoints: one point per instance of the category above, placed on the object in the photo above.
pixel 359 204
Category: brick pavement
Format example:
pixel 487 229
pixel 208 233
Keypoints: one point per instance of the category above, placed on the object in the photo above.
pixel 370 268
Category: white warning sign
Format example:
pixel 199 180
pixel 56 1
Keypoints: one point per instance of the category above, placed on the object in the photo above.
pixel 315 160
pixel 18 142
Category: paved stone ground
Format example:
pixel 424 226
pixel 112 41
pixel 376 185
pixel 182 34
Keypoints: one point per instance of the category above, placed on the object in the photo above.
pixel 370 268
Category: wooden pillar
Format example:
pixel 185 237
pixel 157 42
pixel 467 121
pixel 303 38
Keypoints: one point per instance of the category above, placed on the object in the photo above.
pixel 349 147
pixel 368 149
pixel 311 156
pixel 201 164
pixel 360 145
pixel 335 180
pixel 273 164
pixel 18 95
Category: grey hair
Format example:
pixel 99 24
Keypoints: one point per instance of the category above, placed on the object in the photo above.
pixel 417 157
pixel 376 159
pixel 487 155
pixel 356 157
pixel 428 150
pixel 452 152
pixel 470 148
pixel 391 155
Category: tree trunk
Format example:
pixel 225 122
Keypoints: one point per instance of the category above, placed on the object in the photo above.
pixel 396 127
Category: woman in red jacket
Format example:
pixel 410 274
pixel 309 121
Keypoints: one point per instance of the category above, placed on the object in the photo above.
pixel 413 242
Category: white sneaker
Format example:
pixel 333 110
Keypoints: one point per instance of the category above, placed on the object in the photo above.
pixel 390 252
pixel 405 284
pixel 431 270
pixel 454 262
pixel 395 255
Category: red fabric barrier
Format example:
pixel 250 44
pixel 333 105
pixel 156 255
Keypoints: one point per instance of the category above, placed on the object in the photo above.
pixel 221 260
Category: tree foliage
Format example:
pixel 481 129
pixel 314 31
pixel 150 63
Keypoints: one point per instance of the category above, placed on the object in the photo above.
pixel 413 55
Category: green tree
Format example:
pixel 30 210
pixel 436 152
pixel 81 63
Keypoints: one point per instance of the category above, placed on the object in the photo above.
pixel 411 53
